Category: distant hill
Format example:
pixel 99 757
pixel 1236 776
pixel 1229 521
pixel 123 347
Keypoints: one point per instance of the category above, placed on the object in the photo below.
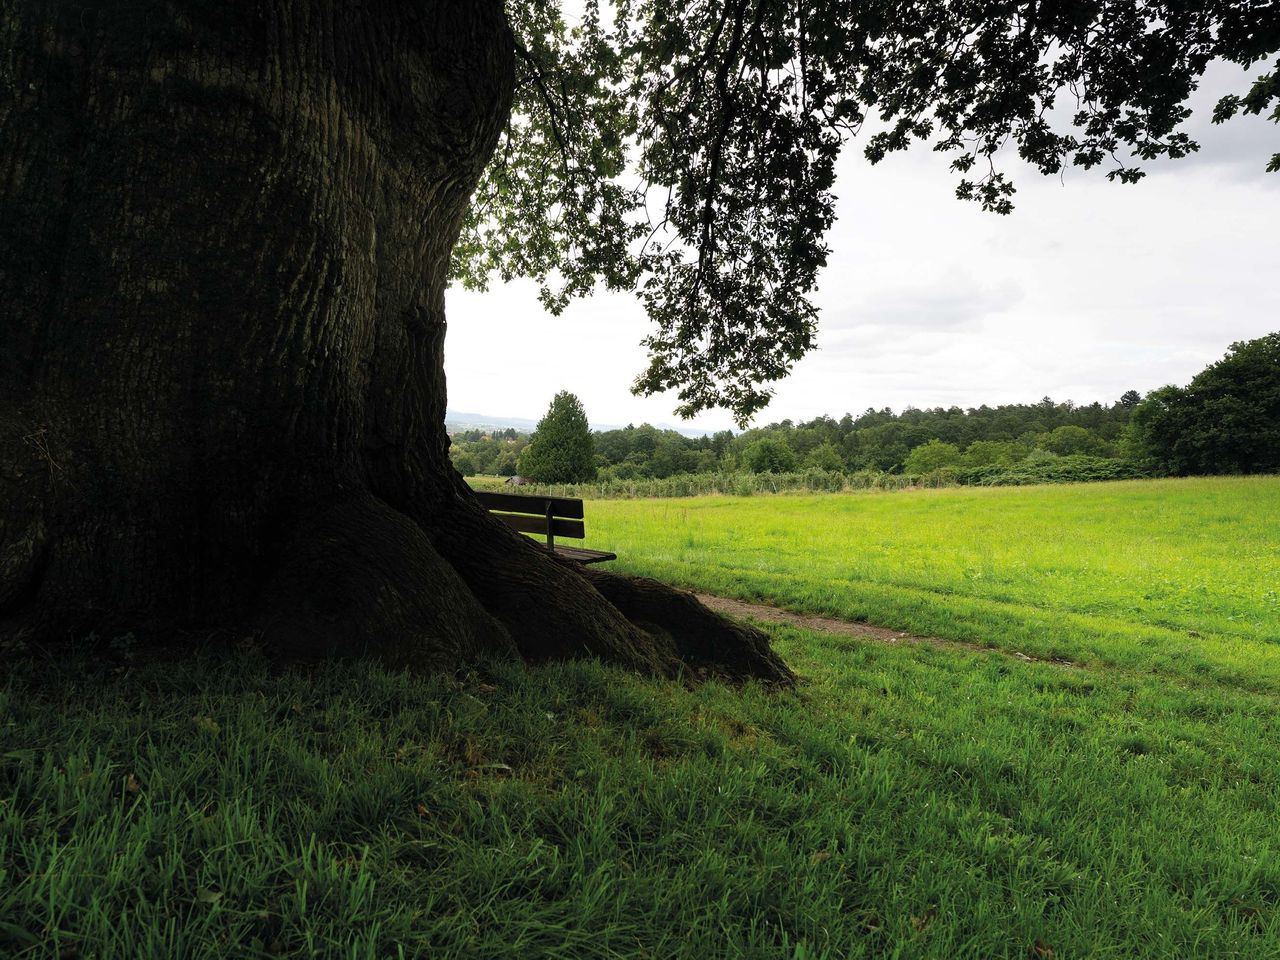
pixel 456 420
pixel 460 420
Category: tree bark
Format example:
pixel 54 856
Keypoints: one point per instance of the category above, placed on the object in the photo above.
pixel 225 231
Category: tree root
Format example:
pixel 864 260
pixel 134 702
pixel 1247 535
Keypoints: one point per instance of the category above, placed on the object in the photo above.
pixel 704 639
pixel 550 609
pixel 360 579
pixel 354 577
pixel 557 609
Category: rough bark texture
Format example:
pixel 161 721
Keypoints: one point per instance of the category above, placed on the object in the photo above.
pixel 225 229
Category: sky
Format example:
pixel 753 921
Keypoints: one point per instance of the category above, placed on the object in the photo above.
pixel 1086 290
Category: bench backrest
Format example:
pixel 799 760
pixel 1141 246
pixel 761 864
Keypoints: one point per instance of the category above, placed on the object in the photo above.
pixel 550 516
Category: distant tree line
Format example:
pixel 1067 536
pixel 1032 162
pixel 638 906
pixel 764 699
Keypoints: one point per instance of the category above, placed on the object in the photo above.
pixel 913 441
pixel 495 452
pixel 1227 420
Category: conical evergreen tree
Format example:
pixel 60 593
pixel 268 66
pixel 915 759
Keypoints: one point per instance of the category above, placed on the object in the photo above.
pixel 561 449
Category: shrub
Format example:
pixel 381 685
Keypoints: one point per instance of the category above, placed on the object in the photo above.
pixel 505 465
pixel 932 456
pixel 987 453
pixel 1052 469
pixel 824 457
pixel 1069 440
pixel 724 484
pixel 770 455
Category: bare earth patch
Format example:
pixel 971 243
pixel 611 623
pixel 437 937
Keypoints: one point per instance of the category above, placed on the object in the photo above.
pixel 847 628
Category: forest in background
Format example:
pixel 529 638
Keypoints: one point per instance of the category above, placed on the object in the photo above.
pixel 1225 420
pixel 912 442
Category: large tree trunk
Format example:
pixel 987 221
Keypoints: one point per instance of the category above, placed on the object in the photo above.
pixel 225 229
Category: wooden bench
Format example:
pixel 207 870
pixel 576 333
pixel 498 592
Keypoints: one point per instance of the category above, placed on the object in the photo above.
pixel 549 516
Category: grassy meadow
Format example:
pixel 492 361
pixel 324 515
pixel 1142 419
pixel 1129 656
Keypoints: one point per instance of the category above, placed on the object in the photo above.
pixel 904 801
pixel 1174 576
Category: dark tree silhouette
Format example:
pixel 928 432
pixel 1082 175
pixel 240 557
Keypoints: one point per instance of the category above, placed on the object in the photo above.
pixel 227 226
pixel 1226 420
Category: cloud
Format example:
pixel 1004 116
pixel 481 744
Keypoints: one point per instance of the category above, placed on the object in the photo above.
pixel 1238 148
pixel 939 305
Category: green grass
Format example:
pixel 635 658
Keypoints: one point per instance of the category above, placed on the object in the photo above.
pixel 1180 577
pixel 904 801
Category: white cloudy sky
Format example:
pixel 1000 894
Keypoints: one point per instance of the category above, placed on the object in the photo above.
pixel 1088 289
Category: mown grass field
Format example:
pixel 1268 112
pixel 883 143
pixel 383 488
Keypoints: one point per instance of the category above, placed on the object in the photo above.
pixel 904 801
pixel 1173 576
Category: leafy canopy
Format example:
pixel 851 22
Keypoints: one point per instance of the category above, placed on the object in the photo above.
pixel 825 456
pixel 769 455
pixel 933 455
pixel 561 448
pixel 1070 440
pixel 1226 420
pixel 686 148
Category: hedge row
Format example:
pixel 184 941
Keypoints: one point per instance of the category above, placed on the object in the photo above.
pixel 1075 469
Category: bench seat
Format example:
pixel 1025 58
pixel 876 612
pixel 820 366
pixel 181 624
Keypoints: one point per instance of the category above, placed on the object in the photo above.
pixel 582 555
pixel 550 517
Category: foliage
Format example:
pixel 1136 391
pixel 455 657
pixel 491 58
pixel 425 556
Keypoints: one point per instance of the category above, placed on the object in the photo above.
pixel 769 455
pixel 825 456
pixel 687 150
pixel 909 799
pixel 990 453
pixel 883 440
pixel 1226 420
pixel 932 456
pixel 1234 428
pixel 1071 440
pixel 728 484
pixel 494 453
pixel 1076 468
pixel 1048 469
pixel 877 440
pixel 561 449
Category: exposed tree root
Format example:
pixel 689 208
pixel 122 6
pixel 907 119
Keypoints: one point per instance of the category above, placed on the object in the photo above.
pixel 556 609
pixel 360 579
pixel 355 577
pixel 703 638
pixel 551 610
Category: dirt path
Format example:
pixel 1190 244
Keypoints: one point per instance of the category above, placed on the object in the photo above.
pixel 847 628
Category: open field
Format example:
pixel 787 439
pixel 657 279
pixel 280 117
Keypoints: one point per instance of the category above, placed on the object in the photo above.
pixel 1173 576
pixel 904 801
